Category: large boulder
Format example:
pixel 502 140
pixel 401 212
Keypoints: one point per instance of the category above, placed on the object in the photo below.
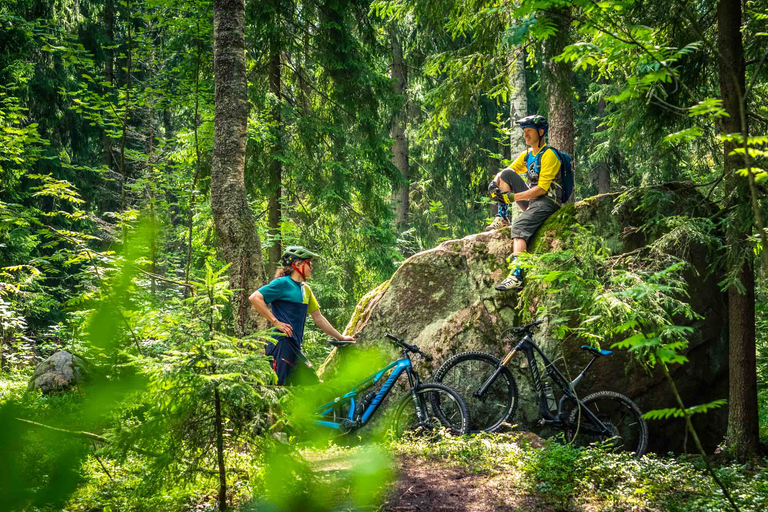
pixel 444 301
pixel 59 372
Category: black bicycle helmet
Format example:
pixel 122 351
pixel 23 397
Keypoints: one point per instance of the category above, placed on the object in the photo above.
pixel 534 121
pixel 295 253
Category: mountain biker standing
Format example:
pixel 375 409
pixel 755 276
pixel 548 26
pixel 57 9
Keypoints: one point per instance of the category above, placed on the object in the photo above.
pixel 291 299
pixel 538 199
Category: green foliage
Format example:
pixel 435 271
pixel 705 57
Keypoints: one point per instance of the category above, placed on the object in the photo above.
pixel 86 144
pixel 561 477
pixel 360 481
pixel 553 473
pixel 634 301
pixel 662 414
pixel 42 454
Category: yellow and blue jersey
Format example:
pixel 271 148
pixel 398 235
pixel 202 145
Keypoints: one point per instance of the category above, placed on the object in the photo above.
pixel 291 302
pixel 543 177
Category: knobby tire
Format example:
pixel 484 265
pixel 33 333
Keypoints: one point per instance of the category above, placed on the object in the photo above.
pixel 443 407
pixel 466 373
pixel 629 428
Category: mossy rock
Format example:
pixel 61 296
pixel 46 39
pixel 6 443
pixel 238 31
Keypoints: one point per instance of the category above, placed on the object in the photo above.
pixel 444 301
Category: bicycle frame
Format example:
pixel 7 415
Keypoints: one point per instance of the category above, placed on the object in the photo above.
pixel 398 367
pixel 529 348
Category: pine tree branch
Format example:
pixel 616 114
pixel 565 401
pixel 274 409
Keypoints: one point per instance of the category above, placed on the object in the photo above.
pixel 84 435
pixel 165 279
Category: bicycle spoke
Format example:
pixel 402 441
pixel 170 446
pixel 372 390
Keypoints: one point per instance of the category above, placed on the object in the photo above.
pixel 468 373
pixel 628 431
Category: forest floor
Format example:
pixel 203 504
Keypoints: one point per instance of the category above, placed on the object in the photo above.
pixel 516 473
pixel 435 483
pixel 426 485
pixel 422 484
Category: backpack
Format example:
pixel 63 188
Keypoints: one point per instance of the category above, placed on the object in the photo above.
pixel 566 168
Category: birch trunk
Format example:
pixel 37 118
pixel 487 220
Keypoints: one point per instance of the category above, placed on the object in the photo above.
pixel 518 103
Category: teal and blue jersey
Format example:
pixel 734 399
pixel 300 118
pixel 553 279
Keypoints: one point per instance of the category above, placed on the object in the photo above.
pixel 291 302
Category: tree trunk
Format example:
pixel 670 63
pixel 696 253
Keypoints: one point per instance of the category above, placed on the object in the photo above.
pixel 399 122
pixel 123 174
pixel 168 133
pixel 109 22
pixel 276 168
pixel 603 169
pixel 743 424
pixel 220 450
pixel 235 223
pixel 151 168
pixel 518 102
pixel 557 79
pixel 193 196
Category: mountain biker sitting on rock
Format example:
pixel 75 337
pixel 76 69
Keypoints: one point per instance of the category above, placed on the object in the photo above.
pixel 538 199
pixel 291 300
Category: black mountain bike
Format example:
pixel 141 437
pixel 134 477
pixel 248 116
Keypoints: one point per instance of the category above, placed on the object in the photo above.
pixel 490 390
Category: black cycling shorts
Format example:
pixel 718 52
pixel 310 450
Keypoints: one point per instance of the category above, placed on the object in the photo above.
pixel 289 364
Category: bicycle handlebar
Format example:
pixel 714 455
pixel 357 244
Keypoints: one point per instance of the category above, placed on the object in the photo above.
pixel 527 328
pixel 411 348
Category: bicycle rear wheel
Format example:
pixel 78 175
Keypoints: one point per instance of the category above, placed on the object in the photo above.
pixel 466 373
pixel 629 431
pixel 441 406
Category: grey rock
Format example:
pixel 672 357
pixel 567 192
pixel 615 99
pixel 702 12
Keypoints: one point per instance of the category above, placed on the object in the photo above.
pixel 444 301
pixel 59 372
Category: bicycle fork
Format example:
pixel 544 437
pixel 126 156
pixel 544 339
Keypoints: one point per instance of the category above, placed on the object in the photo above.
pixel 480 393
pixel 415 396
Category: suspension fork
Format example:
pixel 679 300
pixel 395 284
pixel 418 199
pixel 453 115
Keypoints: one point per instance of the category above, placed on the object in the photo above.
pixel 480 393
pixel 413 380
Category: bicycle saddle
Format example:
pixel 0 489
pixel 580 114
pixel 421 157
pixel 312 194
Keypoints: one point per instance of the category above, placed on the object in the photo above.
pixel 595 351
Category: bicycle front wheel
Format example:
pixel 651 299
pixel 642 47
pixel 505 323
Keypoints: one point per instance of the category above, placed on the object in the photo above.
pixel 467 373
pixel 440 407
pixel 629 431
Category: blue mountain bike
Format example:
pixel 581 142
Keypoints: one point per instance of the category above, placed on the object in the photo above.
pixel 426 408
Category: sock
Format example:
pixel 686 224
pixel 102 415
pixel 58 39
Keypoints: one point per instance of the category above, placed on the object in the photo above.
pixel 503 211
pixel 518 272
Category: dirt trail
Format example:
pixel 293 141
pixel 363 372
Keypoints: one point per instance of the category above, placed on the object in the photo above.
pixel 422 484
pixel 425 485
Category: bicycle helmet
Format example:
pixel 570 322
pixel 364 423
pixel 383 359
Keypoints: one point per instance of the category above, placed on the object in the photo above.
pixel 295 253
pixel 534 121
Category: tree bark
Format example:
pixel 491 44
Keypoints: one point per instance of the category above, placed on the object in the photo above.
pixel 220 450
pixel 151 169
pixel 399 122
pixel 276 168
pixel 518 102
pixel 603 169
pixel 557 79
pixel 109 22
pixel 235 223
pixel 743 423
pixel 123 141
pixel 193 196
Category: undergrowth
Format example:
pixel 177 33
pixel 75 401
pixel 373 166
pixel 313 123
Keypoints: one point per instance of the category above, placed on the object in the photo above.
pixel 571 479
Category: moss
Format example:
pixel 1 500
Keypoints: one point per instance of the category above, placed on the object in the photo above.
pixel 362 311
pixel 554 227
